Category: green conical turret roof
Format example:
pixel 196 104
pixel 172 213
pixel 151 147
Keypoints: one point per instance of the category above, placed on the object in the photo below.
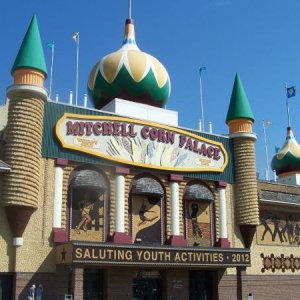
pixel 239 107
pixel 31 54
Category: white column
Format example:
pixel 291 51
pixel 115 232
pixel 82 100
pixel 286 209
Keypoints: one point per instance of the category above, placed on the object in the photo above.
pixel 175 228
pixel 58 189
pixel 120 203
pixel 18 241
pixel 223 213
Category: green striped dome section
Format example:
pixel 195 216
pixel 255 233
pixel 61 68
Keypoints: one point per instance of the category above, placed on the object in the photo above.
pixel 124 86
pixel 289 163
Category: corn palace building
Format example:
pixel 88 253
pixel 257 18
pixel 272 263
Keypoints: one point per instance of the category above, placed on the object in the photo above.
pixel 119 202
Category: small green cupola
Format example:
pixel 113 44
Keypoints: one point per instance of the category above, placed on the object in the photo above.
pixel 31 54
pixel 239 107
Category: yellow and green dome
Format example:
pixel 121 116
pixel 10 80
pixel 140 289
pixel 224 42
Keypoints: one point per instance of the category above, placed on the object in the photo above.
pixel 129 74
pixel 287 160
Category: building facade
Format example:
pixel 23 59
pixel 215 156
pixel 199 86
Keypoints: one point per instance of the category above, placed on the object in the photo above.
pixel 119 202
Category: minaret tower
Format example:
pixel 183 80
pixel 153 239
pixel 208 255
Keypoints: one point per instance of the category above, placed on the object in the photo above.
pixel 240 120
pixel 26 96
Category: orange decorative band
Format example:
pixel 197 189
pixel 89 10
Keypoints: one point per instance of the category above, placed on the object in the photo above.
pixel 28 76
pixel 240 125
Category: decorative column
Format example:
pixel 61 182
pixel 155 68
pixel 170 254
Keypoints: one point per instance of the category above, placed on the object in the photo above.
pixel 223 241
pixel 120 236
pixel 176 239
pixel 77 282
pixel 59 234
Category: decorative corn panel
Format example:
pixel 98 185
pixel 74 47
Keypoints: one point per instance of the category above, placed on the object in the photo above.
pixel 168 210
pixel 181 206
pixel 67 171
pixel 112 203
pixel 128 180
pixel 216 212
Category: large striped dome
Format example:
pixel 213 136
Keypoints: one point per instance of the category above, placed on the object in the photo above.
pixel 287 160
pixel 129 74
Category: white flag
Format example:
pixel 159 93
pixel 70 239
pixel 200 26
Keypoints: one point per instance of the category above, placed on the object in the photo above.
pixel 75 37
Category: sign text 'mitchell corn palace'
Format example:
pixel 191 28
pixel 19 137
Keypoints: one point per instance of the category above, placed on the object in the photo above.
pixel 141 143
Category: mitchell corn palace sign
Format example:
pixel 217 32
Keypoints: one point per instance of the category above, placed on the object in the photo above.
pixel 140 143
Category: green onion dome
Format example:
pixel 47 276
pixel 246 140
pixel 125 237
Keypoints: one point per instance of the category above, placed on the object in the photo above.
pixel 129 74
pixel 287 160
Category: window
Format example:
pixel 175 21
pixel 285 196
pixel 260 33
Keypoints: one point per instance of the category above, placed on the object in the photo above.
pixel 88 192
pixel 198 201
pixel 146 196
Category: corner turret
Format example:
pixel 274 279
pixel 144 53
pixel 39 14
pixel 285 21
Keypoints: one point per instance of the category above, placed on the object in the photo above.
pixel 24 133
pixel 240 120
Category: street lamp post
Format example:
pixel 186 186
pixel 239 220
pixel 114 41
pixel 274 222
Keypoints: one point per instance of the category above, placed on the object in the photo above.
pixel 265 125
pixel 201 123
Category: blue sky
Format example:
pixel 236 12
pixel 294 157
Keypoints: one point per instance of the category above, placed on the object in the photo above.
pixel 258 39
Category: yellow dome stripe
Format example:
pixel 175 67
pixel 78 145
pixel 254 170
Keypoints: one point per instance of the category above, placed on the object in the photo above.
pixel 290 146
pixel 294 148
pixel 159 71
pixel 92 77
pixel 137 62
pixel 111 64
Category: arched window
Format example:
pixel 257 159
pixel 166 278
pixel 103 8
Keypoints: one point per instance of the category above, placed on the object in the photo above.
pixel 146 197
pixel 88 193
pixel 198 200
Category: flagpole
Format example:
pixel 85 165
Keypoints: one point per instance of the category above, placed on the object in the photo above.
pixel 265 125
pixel 287 106
pixel 201 122
pixel 77 63
pixel 129 9
pixel 51 69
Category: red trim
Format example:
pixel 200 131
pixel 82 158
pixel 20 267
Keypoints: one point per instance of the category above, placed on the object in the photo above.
pixel 121 238
pixel 60 235
pixel 175 177
pixel 177 240
pixel 223 243
pixel 61 162
pixel 220 184
pixel 122 171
